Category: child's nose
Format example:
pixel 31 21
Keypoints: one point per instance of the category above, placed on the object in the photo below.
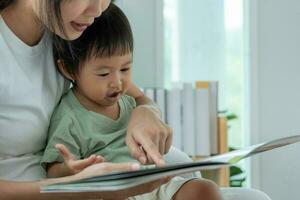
pixel 116 83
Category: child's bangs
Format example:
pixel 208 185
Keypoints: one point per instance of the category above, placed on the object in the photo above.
pixel 109 50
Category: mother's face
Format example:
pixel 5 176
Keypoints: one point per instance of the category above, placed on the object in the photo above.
pixel 77 15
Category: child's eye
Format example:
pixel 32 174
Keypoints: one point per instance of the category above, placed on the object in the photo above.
pixel 125 69
pixel 103 75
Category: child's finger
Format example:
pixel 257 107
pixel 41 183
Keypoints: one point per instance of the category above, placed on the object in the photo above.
pixel 81 164
pixel 99 159
pixel 64 152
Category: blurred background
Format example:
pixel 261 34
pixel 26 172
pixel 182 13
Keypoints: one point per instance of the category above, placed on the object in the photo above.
pixel 252 49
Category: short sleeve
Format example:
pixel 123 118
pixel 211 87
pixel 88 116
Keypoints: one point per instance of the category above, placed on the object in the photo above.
pixel 61 131
pixel 129 101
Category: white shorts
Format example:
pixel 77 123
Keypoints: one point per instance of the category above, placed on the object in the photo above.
pixel 164 192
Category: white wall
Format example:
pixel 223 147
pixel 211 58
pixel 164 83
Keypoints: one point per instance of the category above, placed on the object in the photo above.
pixel 203 49
pixel 201 41
pixel 146 19
pixel 274 75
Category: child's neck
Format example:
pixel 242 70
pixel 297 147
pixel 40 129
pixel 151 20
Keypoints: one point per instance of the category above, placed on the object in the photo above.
pixel 112 111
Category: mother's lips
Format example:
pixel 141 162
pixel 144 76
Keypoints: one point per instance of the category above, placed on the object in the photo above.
pixel 79 26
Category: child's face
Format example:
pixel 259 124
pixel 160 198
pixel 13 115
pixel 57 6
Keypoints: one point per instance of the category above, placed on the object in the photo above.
pixel 102 81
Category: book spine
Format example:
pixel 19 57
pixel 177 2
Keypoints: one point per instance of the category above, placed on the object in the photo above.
pixel 174 115
pixel 214 117
pixel 188 122
pixel 212 87
pixel 202 118
pixel 149 92
pixel 160 95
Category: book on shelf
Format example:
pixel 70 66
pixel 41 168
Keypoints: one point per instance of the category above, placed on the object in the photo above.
pixel 202 125
pixel 222 135
pixel 160 94
pixel 123 180
pixel 174 115
pixel 190 109
pixel 188 119
pixel 149 92
pixel 212 87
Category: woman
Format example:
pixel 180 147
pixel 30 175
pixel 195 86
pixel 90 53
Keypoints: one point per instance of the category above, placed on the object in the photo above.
pixel 30 88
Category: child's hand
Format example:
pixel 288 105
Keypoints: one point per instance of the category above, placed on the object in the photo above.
pixel 74 166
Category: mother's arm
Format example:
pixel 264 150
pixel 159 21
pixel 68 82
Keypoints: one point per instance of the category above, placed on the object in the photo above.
pixel 146 129
pixel 10 190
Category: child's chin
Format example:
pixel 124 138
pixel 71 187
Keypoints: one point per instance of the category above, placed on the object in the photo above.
pixel 111 101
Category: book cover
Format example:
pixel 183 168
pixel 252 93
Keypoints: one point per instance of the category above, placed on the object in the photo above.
pixel 123 180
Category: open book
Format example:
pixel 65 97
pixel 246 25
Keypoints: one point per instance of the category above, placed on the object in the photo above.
pixel 123 180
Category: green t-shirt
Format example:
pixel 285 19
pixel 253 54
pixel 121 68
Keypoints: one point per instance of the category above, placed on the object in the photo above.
pixel 85 132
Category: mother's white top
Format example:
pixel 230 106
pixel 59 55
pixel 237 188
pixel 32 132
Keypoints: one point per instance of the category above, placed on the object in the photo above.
pixel 30 88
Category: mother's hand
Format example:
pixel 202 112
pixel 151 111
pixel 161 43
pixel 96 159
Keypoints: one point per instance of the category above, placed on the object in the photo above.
pixel 147 130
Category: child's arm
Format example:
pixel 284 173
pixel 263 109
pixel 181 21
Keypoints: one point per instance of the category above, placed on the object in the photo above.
pixel 142 100
pixel 70 166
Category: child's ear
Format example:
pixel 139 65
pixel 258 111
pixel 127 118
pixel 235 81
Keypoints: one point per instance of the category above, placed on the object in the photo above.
pixel 63 71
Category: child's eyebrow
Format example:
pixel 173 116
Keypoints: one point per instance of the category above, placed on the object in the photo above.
pixel 108 67
pixel 127 63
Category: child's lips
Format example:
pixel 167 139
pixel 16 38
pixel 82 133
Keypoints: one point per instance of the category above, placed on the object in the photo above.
pixel 114 96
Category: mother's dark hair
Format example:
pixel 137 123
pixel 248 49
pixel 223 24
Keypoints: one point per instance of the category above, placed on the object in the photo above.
pixel 5 3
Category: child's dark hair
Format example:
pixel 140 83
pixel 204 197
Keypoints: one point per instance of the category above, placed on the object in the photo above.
pixel 109 35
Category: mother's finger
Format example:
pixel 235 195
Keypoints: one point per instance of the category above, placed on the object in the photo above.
pixel 162 142
pixel 152 151
pixel 135 150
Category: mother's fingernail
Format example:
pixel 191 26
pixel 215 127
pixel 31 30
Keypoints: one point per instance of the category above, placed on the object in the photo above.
pixel 142 159
pixel 162 162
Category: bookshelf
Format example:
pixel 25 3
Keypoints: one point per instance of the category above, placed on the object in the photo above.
pixel 219 176
pixel 191 108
